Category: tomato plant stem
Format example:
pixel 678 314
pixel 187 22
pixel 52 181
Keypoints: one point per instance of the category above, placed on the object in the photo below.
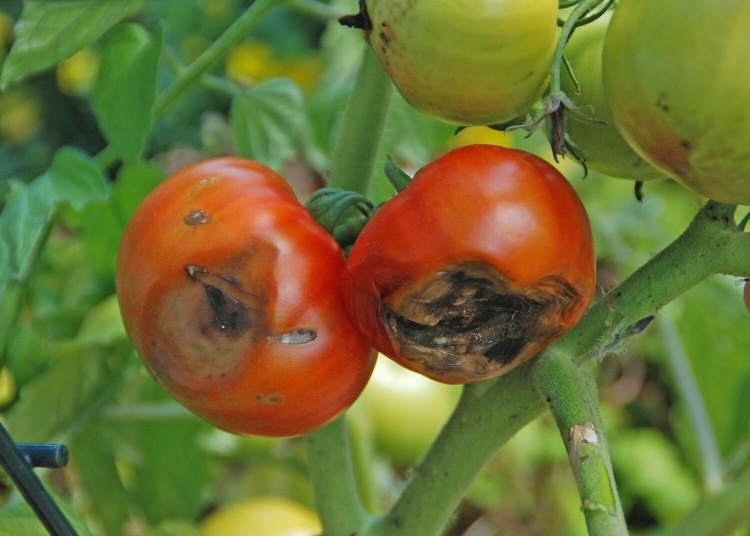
pixel 711 244
pixel 189 76
pixel 689 394
pixel 362 128
pixel 332 475
pixel 572 397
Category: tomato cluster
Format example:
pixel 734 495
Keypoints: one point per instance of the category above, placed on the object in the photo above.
pixel 248 313
pixel 245 310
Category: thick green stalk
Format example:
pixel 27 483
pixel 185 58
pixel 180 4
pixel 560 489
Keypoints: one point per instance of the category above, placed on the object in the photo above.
pixel 491 412
pixel 575 407
pixel 359 138
pixel 352 166
pixel 332 475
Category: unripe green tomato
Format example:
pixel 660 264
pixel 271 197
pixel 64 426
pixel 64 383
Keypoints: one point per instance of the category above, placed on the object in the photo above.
pixel 606 149
pixel 676 77
pixel 407 410
pixel 469 63
pixel 266 516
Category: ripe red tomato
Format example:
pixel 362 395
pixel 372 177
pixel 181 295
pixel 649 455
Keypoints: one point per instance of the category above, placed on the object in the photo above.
pixel 464 62
pixel 479 264
pixel 232 295
pixel 675 75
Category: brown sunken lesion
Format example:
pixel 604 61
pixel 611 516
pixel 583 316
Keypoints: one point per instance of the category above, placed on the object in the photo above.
pixel 197 217
pixel 469 320
pixel 228 310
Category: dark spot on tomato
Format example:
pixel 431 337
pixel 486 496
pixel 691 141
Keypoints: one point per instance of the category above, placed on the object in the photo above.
pixel 230 316
pixel 469 317
pixel 197 217
pixel 661 102
pixel 271 399
pixel 686 144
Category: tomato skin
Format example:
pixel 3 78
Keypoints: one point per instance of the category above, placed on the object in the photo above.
pixel 675 75
pixel 482 217
pixel 607 151
pixel 746 295
pixel 494 56
pixel 217 272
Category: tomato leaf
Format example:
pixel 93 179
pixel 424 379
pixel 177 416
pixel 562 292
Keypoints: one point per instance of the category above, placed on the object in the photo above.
pixel 27 217
pixel 125 91
pixel 268 121
pixel 94 449
pixel 50 31
pixel 64 396
pixel 20 520
pixel 133 183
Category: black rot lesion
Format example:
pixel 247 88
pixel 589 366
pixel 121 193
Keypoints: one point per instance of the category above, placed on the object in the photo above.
pixel 229 304
pixel 468 317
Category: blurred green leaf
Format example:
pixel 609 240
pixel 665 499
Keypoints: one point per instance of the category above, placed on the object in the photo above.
pixel 27 217
pixel 173 473
pixel 67 392
pixel 268 121
pixel 125 91
pixel 93 456
pixel 103 324
pixel 715 331
pixel 20 520
pixel 133 183
pixel 649 470
pixel 50 31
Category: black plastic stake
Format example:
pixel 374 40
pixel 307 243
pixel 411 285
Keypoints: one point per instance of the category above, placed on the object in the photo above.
pixel 20 470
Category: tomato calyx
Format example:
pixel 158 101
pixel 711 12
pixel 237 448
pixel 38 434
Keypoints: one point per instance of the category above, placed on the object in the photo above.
pixel 340 212
pixel 467 316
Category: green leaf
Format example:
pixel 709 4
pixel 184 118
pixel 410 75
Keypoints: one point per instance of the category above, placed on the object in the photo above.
pixel 125 90
pixel 268 121
pixel 20 520
pixel 93 456
pixel 173 473
pixel 73 180
pixel 133 183
pixel 50 31
pixel 68 392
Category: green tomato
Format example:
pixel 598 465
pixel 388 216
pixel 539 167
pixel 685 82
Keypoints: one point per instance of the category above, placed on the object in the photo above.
pixel 469 63
pixel 606 149
pixel 407 410
pixel 675 75
pixel 269 516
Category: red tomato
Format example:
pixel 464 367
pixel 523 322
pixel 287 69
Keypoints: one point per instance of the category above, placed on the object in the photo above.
pixel 479 264
pixel 232 295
